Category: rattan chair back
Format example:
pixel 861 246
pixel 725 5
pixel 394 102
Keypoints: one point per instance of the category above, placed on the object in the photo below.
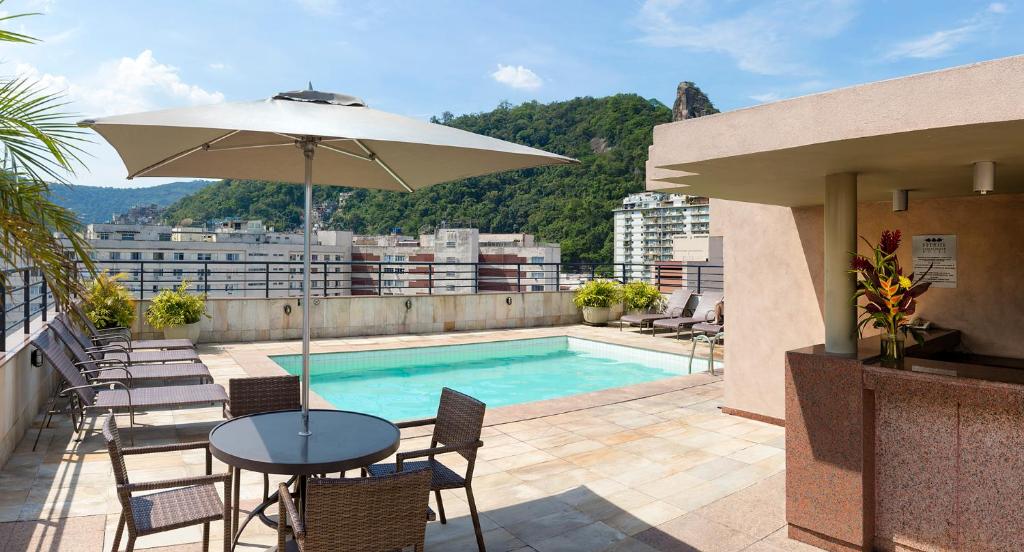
pixel 65 335
pixel 54 353
pixel 264 394
pixel 460 419
pixel 112 437
pixel 367 514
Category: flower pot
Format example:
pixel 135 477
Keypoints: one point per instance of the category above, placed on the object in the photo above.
pixel 188 331
pixel 596 315
pixel 892 350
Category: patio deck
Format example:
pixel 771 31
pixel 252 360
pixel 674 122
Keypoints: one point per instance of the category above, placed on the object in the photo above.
pixel 649 467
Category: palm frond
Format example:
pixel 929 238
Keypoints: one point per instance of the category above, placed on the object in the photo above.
pixel 37 133
pixel 29 220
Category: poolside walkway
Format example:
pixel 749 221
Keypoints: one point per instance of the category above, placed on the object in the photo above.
pixel 661 469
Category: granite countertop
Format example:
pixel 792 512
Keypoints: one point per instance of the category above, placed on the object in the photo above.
pixel 950 369
pixel 869 348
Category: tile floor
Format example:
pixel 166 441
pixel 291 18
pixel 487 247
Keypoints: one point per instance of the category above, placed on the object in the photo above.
pixel 645 468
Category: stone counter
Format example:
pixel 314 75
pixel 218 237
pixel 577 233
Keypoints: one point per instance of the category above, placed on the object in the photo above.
pixel 927 457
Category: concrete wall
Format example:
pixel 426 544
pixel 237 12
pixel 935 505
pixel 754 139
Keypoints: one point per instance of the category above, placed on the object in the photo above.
pixel 238 319
pixel 770 290
pixel 23 391
pixel 774 282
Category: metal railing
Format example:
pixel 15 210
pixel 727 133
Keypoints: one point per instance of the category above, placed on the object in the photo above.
pixel 23 298
pixel 273 279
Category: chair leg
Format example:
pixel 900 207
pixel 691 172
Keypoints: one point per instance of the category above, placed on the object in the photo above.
pixel 46 423
pixel 117 534
pixel 235 494
pixel 266 486
pixel 476 519
pixel 206 537
pixel 440 507
pixel 131 543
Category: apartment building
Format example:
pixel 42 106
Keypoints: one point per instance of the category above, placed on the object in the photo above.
pixel 463 261
pixel 647 223
pixel 245 259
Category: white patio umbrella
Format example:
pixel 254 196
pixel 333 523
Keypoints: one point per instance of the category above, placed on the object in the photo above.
pixel 278 139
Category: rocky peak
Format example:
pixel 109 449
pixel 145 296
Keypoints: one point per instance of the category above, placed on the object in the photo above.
pixel 691 102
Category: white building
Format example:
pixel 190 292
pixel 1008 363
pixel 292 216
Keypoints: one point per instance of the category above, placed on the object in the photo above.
pixel 244 259
pixel 646 225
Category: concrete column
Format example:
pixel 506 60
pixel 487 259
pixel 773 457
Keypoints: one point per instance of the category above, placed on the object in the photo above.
pixel 840 242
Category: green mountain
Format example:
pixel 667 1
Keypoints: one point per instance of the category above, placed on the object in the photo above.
pixel 569 204
pixel 99 204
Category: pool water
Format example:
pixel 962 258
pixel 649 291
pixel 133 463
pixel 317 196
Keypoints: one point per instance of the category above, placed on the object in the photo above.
pixel 400 384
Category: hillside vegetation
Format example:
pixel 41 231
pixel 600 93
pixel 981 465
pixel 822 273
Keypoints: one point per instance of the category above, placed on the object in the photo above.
pixel 99 204
pixel 570 204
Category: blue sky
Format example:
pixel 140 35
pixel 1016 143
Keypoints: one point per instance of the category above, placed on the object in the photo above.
pixel 420 58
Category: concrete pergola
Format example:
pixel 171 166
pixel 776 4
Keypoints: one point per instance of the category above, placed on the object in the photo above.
pixel 923 134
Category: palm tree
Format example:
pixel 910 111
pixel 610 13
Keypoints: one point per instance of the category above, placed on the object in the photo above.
pixel 40 149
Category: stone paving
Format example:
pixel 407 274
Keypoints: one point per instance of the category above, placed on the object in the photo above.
pixel 644 468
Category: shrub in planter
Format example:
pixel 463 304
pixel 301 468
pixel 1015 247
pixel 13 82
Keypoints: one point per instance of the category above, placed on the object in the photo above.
pixel 177 312
pixel 107 303
pixel 642 297
pixel 595 298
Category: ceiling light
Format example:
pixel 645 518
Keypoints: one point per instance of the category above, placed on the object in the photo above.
pixel 899 200
pixel 984 177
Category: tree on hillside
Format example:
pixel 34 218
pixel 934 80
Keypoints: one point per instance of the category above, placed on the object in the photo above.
pixel 39 144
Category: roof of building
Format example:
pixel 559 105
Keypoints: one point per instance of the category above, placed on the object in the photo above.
pixel 923 132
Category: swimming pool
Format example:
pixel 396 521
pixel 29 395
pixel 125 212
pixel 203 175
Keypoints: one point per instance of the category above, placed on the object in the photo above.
pixel 400 384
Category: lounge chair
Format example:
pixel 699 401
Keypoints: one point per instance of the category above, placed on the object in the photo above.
pixel 710 332
pixel 675 307
pixel 357 515
pixel 123 336
pixel 457 427
pixel 705 307
pixel 120 352
pixel 112 369
pixel 118 395
pixel 179 503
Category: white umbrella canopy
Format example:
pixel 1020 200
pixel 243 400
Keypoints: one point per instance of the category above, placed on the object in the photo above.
pixel 357 146
pixel 308 137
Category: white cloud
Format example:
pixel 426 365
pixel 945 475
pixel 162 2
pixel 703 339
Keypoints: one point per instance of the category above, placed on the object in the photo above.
pixel 319 7
pixel 119 86
pixel 217 66
pixel 124 86
pixel 933 45
pixel 997 7
pixel 517 76
pixel 944 41
pixel 765 98
pixel 765 38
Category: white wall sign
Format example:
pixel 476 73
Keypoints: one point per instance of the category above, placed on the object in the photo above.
pixel 938 252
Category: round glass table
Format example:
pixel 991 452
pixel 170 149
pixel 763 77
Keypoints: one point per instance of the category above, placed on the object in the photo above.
pixel 270 443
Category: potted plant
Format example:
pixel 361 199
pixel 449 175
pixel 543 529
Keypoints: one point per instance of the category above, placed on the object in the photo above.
pixel 641 297
pixel 107 303
pixel 596 298
pixel 891 296
pixel 177 312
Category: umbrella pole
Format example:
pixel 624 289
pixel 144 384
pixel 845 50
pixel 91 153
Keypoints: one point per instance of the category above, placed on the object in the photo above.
pixel 308 147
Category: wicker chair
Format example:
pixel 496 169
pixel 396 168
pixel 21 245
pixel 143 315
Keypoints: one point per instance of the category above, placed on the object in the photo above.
pixel 457 427
pixel 179 502
pixel 374 514
pixel 257 395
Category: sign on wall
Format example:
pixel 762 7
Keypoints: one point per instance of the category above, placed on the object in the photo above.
pixel 937 251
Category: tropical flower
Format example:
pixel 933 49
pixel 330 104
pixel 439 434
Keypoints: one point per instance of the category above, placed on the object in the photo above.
pixel 891 297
